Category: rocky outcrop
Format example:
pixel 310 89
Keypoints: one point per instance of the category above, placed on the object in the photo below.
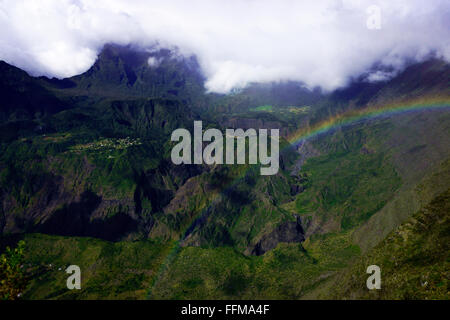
pixel 290 231
pixel 306 150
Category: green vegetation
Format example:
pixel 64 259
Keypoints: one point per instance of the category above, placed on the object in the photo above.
pixel 12 276
pixel 414 260
pixel 122 270
pixel 129 270
pixel 86 179
pixel 348 187
pixel 266 108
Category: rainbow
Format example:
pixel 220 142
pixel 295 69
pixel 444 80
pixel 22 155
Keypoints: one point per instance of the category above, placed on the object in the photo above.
pixel 372 112
pixel 303 134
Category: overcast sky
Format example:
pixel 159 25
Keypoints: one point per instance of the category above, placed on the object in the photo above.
pixel 321 42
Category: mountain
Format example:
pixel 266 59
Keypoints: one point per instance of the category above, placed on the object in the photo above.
pixel 25 103
pixel 425 79
pixel 126 72
pixel 86 175
pixel 23 97
pixel 413 258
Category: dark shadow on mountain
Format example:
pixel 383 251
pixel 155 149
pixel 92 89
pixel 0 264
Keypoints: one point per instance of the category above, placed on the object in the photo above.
pixel 289 231
pixel 237 197
pixel 75 220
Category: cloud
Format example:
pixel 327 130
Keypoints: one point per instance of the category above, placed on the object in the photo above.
pixel 379 75
pixel 153 62
pixel 322 43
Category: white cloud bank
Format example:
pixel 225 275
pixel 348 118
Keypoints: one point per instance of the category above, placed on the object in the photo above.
pixel 322 43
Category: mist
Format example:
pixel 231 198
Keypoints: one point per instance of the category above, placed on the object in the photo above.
pixel 321 43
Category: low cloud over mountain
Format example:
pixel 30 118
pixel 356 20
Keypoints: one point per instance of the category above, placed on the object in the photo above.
pixel 322 43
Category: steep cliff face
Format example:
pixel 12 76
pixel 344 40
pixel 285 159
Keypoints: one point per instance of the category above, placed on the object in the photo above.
pixel 56 206
pixel 153 118
pixel 107 189
pixel 137 73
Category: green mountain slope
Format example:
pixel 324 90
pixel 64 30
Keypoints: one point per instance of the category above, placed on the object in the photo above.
pixel 414 260
pixel 94 185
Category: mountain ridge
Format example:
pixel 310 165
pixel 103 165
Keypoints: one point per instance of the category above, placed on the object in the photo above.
pixel 95 164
